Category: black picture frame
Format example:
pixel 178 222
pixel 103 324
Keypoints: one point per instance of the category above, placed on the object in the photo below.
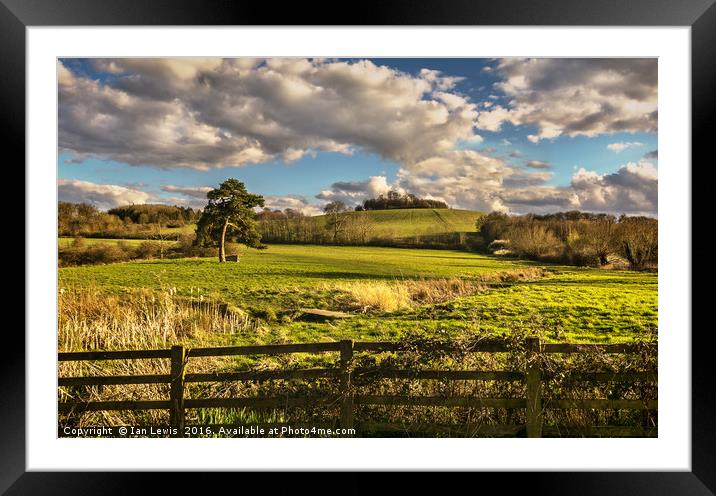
pixel 700 15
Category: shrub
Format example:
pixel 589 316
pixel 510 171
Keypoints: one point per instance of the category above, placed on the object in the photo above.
pixel 149 249
pixel 100 253
pixel 534 240
pixel 185 248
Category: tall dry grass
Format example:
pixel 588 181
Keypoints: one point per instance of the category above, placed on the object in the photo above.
pixel 397 295
pixel 89 319
pixel 92 320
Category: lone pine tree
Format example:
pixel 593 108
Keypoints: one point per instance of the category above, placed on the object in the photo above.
pixel 229 216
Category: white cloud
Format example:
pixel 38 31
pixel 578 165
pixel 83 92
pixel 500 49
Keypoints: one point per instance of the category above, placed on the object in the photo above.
pixel 541 199
pixel 475 139
pixel 492 120
pixel 576 97
pixel 537 164
pixel 441 81
pixel 205 113
pixel 103 196
pixel 463 179
pixel 524 179
pixel 632 189
pixel 621 146
pixel 294 202
pixel 198 192
pixel 651 155
pixel 472 180
pixel 356 192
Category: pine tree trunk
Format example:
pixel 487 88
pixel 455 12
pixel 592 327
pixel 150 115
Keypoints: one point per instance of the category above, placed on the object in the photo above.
pixel 222 243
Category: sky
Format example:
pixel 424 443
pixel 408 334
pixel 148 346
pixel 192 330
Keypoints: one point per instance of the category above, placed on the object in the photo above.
pixel 509 135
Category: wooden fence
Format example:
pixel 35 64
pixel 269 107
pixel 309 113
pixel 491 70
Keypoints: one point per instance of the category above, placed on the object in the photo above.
pixel 533 378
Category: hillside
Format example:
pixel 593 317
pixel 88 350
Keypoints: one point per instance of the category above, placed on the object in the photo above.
pixel 407 228
pixel 402 223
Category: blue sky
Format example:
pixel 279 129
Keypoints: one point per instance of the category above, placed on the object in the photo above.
pixel 488 134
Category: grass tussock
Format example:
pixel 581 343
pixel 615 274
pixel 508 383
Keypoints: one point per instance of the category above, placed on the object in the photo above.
pixel 380 296
pixel 90 319
pixel 384 296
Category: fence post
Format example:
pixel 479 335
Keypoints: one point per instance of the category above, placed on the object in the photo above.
pixel 534 388
pixel 346 393
pixel 176 392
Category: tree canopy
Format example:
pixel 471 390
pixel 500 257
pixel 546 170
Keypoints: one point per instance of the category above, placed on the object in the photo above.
pixel 393 199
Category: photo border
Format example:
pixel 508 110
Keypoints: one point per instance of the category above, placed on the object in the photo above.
pixel 16 15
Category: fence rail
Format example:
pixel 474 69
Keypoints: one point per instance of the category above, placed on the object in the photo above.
pixel 533 377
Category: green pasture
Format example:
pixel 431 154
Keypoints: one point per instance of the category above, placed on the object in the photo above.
pixel 570 304
pixel 419 221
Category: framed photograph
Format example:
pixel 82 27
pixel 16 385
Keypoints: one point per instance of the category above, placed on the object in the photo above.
pixel 426 240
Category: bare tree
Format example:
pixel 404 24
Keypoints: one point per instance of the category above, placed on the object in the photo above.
pixel 160 235
pixel 358 227
pixel 638 239
pixel 335 211
pixel 596 237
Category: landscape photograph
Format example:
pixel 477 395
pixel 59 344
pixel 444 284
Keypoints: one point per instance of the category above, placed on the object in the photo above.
pixel 357 247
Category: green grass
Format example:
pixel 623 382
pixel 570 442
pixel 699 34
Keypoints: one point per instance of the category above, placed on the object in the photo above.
pixel 571 304
pixel 420 221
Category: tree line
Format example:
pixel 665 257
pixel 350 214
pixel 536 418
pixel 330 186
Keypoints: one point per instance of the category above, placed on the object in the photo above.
pixel 172 216
pixel 393 200
pixel 576 238
pixel 132 221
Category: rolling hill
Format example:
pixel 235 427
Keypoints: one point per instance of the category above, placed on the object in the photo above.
pixel 410 222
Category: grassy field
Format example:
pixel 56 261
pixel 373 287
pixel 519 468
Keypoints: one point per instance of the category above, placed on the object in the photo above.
pixel 272 286
pixel 415 222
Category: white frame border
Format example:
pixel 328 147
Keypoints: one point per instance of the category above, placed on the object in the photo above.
pixel 671 451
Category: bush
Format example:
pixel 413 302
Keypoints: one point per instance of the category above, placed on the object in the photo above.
pixel 185 248
pixel 534 241
pixel 100 253
pixel 149 249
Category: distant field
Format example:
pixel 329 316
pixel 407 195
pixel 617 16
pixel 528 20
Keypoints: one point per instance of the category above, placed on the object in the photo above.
pixel 419 221
pixel 569 304
pixel 186 229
